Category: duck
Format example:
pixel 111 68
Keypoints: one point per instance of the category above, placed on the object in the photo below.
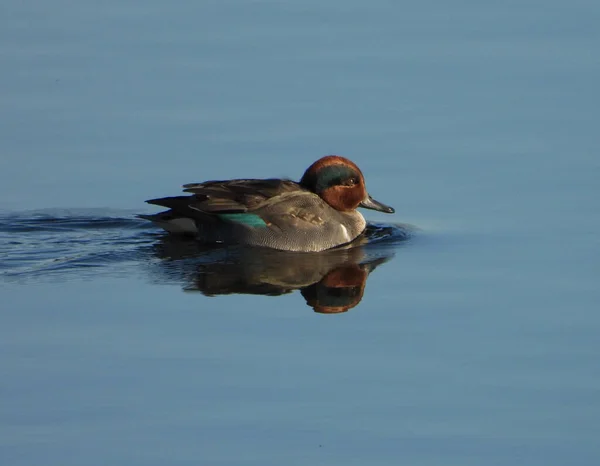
pixel 315 214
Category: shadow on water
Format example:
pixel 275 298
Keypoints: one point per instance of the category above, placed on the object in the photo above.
pixel 68 246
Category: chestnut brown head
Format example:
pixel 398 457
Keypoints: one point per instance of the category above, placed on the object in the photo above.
pixel 340 183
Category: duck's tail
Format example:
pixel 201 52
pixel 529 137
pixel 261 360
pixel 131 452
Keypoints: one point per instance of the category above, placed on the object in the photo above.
pixel 172 222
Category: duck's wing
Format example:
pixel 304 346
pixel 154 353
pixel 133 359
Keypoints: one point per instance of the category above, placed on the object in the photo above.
pixel 237 195
pixel 229 196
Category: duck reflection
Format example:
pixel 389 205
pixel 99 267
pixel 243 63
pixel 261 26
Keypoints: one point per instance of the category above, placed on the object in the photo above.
pixel 331 281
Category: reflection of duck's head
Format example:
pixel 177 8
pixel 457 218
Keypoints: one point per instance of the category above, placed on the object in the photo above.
pixel 331 281
pixel 340 289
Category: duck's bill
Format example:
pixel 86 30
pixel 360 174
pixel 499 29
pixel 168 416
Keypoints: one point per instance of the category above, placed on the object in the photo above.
pixel 370 203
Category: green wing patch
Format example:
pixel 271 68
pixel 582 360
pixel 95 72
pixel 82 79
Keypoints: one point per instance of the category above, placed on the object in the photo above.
pixel 251 220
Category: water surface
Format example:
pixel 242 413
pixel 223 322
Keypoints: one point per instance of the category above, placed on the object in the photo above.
pixel 473 342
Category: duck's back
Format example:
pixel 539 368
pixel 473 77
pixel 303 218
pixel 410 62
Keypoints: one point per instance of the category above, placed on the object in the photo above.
pixel 238 195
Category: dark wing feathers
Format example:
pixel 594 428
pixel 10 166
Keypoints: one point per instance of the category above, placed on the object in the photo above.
pixel 231 196
pixel 236 195
pixel 179 204
pixel 174 202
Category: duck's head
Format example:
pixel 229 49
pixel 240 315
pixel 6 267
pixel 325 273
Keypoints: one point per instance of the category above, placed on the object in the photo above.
pixel 340 183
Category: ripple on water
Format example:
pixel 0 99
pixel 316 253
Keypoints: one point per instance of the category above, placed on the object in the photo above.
pixel 37 245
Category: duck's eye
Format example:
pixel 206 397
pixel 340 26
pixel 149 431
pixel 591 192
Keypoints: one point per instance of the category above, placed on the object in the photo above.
pixel 352 181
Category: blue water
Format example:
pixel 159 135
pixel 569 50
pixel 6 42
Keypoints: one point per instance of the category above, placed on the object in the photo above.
pixel 469 339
